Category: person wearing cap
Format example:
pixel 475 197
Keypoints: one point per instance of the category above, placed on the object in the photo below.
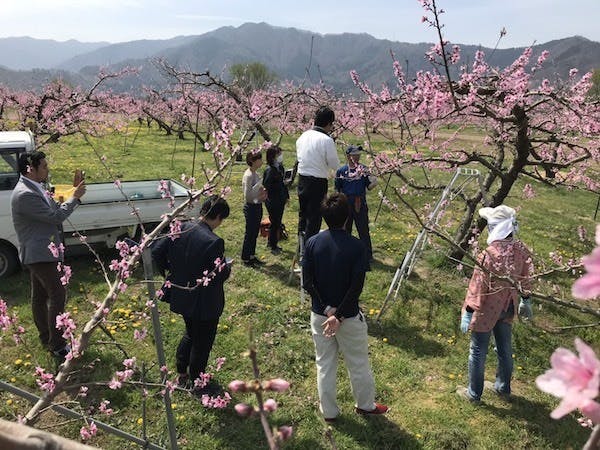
pixel 317 157
pixel 503 272
pixel 353 179
pixel 333 273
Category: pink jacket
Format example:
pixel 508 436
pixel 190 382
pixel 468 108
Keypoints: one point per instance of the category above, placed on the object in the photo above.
pixel 488 295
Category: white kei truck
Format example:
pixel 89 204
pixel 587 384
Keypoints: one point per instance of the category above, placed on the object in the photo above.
pixel 104 216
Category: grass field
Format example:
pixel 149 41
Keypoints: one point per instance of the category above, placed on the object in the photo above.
pixel 417 351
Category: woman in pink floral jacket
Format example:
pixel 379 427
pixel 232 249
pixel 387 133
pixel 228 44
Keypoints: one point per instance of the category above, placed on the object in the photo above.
pixel 503 273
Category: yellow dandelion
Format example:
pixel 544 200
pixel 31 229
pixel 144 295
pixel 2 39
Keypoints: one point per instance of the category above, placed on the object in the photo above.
pixel 225 327
pixel 9 402
pixel 418 436
pixel 519 368
pixel 174 406
pixel 439 335
pixel 13 379
pixel 113 331
pixel 28 355
pixel 385 339
pixel 26 364
pixel 173 321
pixel 18 362
pixel 268 306
pixel 451 376
pixel 140 421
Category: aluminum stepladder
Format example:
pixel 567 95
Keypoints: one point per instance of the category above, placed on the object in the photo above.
pixel 296 267
pixel 410 259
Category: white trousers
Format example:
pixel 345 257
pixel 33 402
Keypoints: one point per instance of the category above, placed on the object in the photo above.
pixel 351 341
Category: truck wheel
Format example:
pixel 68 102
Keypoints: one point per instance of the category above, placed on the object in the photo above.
pixel 9 260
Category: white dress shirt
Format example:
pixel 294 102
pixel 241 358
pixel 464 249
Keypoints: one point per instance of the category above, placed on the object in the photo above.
pixel 316 154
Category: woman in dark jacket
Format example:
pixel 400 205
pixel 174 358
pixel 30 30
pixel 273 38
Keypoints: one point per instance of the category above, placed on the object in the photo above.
pixel 277 192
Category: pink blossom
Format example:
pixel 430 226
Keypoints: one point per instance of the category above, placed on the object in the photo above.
pixel 45 380
pixel 83 390
pixel 129 363
pixel 88 431
pixel 56 251
pixel 588 286
pixel 574 379
pixel 140 335
pixel 66 270
pixel 528 191
pixel 220 361
pixel 103 408
pixel 591 409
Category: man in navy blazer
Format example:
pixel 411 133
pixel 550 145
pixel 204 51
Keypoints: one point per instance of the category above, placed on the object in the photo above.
pixel 38 219
pixel 197 269
pixel 334 268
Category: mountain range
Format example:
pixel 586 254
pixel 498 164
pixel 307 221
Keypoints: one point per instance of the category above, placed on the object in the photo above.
pixel 290 53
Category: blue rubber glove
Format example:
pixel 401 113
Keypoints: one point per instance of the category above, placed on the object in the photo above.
pixel 525 309
pixel 465 320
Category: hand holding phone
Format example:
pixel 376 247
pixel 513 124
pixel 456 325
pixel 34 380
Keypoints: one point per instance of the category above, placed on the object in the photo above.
pixel 78 177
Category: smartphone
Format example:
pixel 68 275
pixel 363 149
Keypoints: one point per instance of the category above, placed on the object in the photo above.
pixel 78 177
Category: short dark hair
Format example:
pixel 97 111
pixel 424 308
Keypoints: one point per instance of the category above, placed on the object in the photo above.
pixel 334 209
pixel 252 156
pixel 272 153
pixel 33 159
pixel 214 207
pixel 324 116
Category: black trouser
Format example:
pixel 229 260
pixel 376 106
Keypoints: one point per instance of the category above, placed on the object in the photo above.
pixel 195 346
pixel 48 297
pixel 253 213
pixel 311 192
pixel 275 209
pixel 361 219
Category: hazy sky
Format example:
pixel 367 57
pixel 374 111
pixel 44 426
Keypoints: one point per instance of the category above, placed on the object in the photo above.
pixel 467 21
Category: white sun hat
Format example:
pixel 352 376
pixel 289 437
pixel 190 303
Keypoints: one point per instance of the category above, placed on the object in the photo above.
pixel 502 221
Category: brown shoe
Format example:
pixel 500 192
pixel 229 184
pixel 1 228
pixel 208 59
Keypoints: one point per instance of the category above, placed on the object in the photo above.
pixel 379 409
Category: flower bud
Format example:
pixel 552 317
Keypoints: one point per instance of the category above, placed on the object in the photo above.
pixel 277 385
pixel 237 386
pixel 243 409
pixel 270 405
pixel 284 433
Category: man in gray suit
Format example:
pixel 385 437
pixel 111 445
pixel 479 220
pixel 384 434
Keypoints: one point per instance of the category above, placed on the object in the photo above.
pixel 38 222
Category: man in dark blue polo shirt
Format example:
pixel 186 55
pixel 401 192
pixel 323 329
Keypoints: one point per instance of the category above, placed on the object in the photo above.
pixel 353 180
pixel 333 269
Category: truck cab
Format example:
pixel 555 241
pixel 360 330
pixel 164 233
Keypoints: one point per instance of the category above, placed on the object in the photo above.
pixel 12 144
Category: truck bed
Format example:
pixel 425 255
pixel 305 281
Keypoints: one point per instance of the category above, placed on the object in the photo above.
pixel 105 206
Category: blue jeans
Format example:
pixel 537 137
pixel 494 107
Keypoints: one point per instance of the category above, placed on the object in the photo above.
pixel 478 353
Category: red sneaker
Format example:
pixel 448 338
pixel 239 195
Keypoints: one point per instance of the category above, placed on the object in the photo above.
pixel 379 409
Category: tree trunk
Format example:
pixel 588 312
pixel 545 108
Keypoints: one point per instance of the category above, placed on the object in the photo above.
pixel 507 180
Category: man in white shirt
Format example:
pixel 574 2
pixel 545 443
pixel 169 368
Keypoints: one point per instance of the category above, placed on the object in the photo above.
pixel 317 157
